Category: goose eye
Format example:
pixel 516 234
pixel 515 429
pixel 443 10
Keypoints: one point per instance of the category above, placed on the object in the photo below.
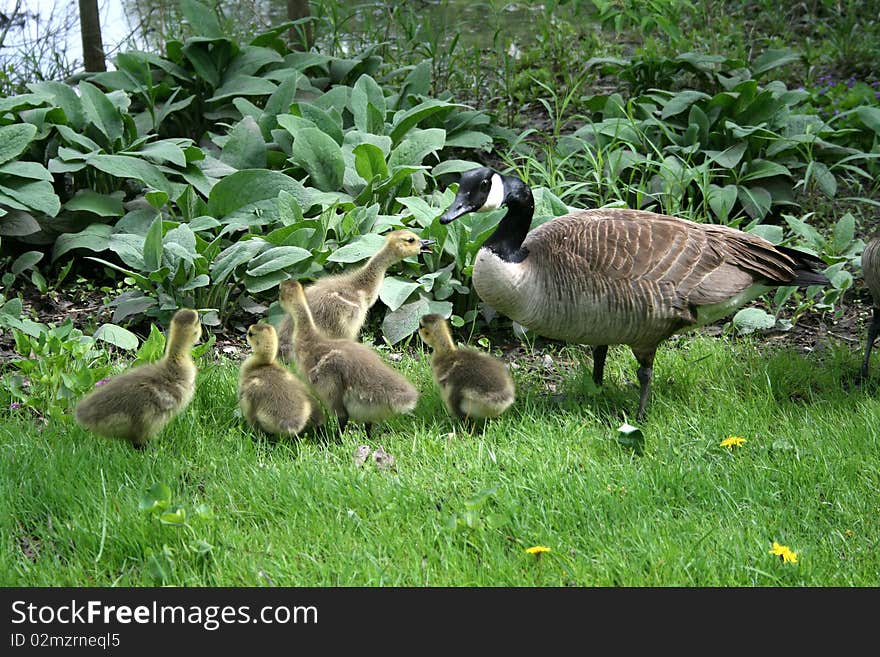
pixel 484 182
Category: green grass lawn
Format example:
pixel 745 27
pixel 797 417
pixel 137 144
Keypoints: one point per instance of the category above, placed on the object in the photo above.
pixel 461 510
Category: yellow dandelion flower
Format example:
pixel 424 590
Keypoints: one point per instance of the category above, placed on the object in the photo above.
pixel 537 549
pixel 732 441
pixel 783 552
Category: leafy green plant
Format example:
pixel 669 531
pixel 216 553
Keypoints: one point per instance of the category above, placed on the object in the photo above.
pixel 156 502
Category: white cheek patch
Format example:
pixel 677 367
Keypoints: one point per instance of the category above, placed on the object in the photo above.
pixel 496 194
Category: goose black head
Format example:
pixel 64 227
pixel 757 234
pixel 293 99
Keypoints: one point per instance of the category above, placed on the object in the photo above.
pixel 479 190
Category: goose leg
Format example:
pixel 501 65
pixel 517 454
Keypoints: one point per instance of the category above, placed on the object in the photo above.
pixel 599 353
pixel 646 375
pixel 368 427
pixel 873 332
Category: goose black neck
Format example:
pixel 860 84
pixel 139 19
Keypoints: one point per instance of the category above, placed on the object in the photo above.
pixel 506 241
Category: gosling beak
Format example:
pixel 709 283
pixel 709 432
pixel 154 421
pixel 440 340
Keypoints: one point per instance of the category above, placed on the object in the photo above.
pixel 459 207
pixel 425 246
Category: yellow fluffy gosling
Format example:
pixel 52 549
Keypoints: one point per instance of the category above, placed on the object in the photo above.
pixel 136 404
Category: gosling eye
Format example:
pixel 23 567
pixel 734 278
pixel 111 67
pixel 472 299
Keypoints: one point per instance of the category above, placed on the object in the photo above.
pixel 410 240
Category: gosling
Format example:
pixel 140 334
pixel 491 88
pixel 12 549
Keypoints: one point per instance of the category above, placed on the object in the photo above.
pixel 474 386
pixel 136 405
pixel 271 398
pixel 349 377
pixel 339 303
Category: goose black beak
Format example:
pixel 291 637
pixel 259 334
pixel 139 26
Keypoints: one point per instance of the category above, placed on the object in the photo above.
pixel 458 208
pixel 425 246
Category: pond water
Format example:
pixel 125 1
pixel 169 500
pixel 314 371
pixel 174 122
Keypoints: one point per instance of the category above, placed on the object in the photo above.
pixel 344 25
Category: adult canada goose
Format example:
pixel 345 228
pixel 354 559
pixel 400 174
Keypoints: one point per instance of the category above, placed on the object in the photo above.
pixel 349 377
pixel 271 398
pixel 473 385
pixel 617 276
pixel 137 404
pixel 339 303
pixel 871 272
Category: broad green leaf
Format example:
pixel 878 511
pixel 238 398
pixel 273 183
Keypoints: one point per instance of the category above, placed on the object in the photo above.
pixel 117 336
pixel 202 280
pixel 395 291
pixel 157 498
pixel 153 246
pixel 405 320
pixel 680 102
pixel 278 103
pixel 163 151
pixel 129 248
pixel 245 148
pixel 156 198
pixel 364 247
pixel 123 166
pixel 770 232
pixel 844 232
pixel 729 157
pixel 755 201
pixel 251 59
pixel 369 162
pixel 243 85
pixel 453 166
pixel 277 258
pixel 417 145
pixel 38 195
pixel 103 205
pixel 800 227
pixel 417 82
pixel 201 18
pixel 756 169
pixel 328 121
pixel 18 224
pixel 321 157
pixel 243 188
pixel 870 116
pixel 94 237
pixel 469 139
pixel 101 112
pixel 774 58
pixel 823 178
pixel 405 120
pixel 749 320
pixel 174 516
pixel 234 256
pixel 256 284
pixel 25 261
pixel 33 170
pixel 14 139
pixel 368 105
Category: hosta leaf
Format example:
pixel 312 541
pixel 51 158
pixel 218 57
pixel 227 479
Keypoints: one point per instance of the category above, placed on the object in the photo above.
pixel 321 157
pixel 364 247
pixel 369 162
pixel 163 151
pixel 243 85
pixel 277 258
pixel 870 116
pixel 103 205
pixel 405 320
pixel 770 232
pixel 405 120
pixel 33 170
pixel 234 256
pixel 94 237
pixel 153 246
pixel 201 18
pixel 729 157
pixel 823 178
pixel 38 195
pixel 245 148
pixel 123 166
pixel 256 284
pixel 100 111
pixel 755 201
pixel 722 200
pixel 18 224
pixel 26 261
pixel 368 105
pixel 14 139
pixel 416 146
pixel 243 188
pixel 756 169
pixel 117 336
pixel 774 58
pixel 395 291
pixel 680 102
pixel 469 139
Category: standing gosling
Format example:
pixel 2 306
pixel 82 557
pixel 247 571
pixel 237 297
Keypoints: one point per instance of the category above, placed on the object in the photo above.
pixel 339 303
pixel 137 404
pixel 473 385
pixel 271 398
pixel 349 377
pixel 871 272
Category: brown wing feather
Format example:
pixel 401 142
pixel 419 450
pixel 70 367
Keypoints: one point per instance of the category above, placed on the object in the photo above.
pixel 686 262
